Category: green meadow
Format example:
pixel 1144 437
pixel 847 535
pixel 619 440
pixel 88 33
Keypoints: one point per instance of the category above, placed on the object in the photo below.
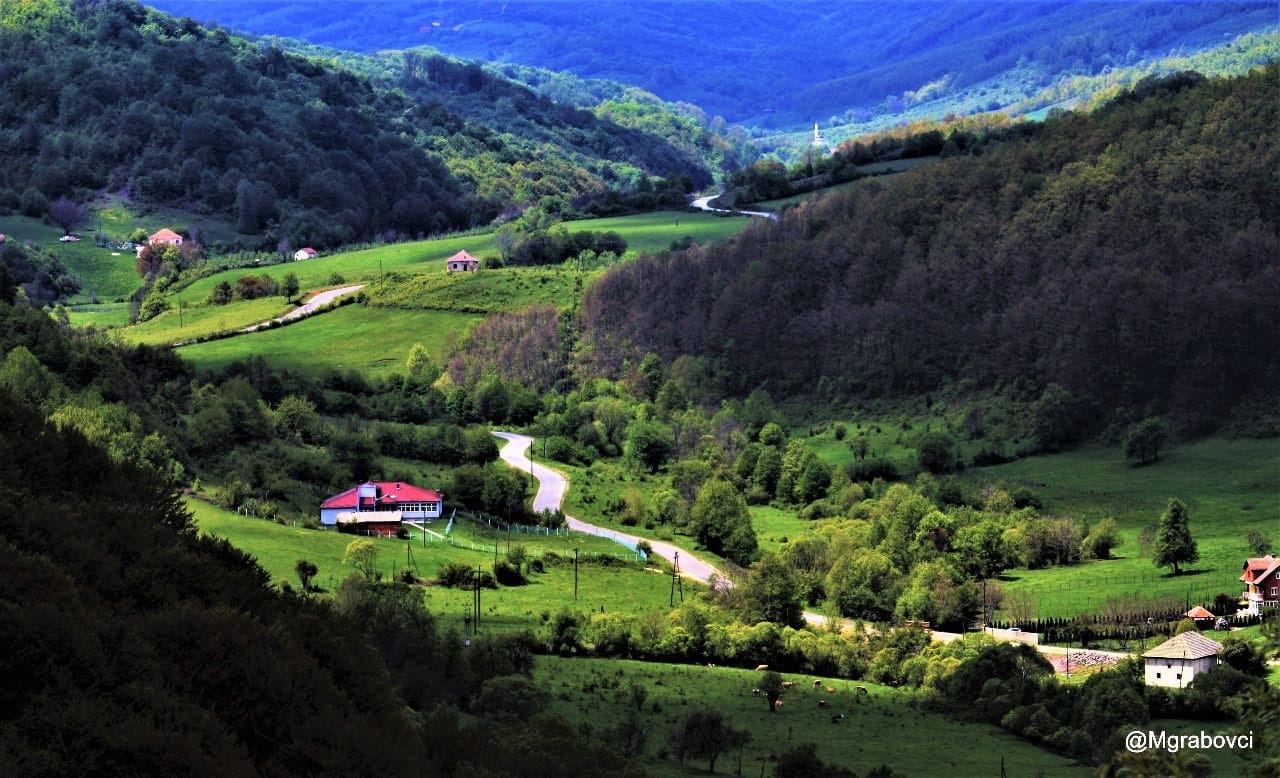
pixel 192 321
pixel 370 340
pixel 365 265
pixel 655 231
pixel 100 273
pixel 622 587
pixel 883 727
pixel 1230 487
pixel 108 274
pixel 101 315
pixel 486 291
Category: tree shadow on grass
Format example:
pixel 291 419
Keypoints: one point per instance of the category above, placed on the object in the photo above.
pixel 1170 576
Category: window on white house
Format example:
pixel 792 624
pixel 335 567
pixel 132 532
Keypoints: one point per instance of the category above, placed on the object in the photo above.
pixel 1157 675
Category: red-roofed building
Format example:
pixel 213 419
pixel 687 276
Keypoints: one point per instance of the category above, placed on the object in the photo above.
pixel 411 502
pixel 461 262
pixel 165 235
pixel 305 253
pixel 1261 579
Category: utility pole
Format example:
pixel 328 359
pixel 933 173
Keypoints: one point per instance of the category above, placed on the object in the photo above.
pixel 676 581
pixel 575 574
pixel 476 605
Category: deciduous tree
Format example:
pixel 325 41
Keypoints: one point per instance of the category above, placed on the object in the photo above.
pixel 1174 545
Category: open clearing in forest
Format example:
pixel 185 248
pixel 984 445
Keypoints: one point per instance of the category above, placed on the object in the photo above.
pixel 881 727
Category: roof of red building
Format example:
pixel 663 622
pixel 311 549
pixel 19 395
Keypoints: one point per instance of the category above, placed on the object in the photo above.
pixel 164 236
pixel 390 494
pixel 1198 612
pixel 1258 568
pixel 309 250
pixel 462 256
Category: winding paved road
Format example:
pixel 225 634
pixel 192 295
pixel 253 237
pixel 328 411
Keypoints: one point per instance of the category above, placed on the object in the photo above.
pixel 310 306
pixel 551 489
pixel 704 204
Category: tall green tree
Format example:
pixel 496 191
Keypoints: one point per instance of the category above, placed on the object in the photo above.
pixel 771 593
pixel 1144 440
pixel 1174 544
pixel 721 522
pixel 290 286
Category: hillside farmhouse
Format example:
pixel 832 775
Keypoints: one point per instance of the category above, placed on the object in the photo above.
pixel 380 507
pixel 1177 661
pixel 461 263
pixel 305 253
pixel 165 235
pixel 1261 579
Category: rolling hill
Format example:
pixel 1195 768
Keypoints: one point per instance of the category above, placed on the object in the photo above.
pixel 766 62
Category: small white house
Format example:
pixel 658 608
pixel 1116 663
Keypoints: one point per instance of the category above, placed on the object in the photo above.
pixel 305 253
pixel 1177 661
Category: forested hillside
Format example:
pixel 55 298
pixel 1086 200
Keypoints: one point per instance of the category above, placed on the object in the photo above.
pixel 115 97
pixel 769 62
pixel 1126 256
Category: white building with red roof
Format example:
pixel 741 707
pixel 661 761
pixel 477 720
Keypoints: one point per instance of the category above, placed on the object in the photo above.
pixel 305 252
pixel 165 235
pixel 461 262
pixel 1261 580
pixel 406 501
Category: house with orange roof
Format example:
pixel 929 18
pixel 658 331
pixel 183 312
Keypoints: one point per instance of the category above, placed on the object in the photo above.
pixel 1261 578
pixel 305 253
pixel 461 262
pixel 165 235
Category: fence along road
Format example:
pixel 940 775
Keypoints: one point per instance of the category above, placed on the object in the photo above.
pixel 551 489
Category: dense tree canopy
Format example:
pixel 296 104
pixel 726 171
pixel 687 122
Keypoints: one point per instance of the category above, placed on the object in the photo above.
pixel 1119 255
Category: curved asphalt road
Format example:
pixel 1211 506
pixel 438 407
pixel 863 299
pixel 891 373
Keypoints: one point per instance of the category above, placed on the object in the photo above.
pixel 323 298
pixel 704 204
pixel 551 488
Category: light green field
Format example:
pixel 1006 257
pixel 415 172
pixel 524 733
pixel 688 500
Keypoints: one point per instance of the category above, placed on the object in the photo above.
pixel 355 266
pixel 627 588
pixel 108 276
pixel 486 291
pixel 882 727
pixel 99 272
pixel 775 526
pixel 278 547
pixel 1230 487
pixel 374 341
pixel 193 321
pixel 655 231
pixel 643 232
pixel 104 315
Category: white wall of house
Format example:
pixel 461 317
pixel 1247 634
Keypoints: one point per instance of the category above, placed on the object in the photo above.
pixel 1175 673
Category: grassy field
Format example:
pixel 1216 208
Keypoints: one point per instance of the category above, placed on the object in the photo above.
pixel 1229 486
pixel 884 727
pixel 193 321
pixel 652 232
pixel 627 588
pixel 103 315
pixel 356 266
pixel 487 291
pixel 643 232
pixel 374 341
pixel 775 526
pixel 102 273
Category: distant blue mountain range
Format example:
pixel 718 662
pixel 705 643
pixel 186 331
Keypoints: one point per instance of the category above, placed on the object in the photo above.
pixel 772 63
